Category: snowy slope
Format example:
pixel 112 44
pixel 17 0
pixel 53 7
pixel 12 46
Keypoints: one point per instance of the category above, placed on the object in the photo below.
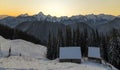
pixel 33 58
pixel 34 64
pixel 21 47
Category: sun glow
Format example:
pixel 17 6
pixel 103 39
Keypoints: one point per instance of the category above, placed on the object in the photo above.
pixel 59 7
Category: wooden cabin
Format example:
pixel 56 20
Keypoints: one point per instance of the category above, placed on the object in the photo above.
pixel 70 54
pixel 94 54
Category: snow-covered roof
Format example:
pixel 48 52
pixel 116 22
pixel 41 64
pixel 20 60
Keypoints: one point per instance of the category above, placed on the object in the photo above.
pixel 94 52
pixel 70 53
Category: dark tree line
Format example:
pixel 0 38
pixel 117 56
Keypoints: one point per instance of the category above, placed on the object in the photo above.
pixel 114 49
pixel 70 38
pixel 52 47
pixel 109 44
pixel 6 31
pixel 110 47
pixel 13 33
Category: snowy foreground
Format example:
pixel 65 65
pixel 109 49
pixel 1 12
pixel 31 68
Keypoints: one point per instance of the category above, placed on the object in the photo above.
pixel 33 58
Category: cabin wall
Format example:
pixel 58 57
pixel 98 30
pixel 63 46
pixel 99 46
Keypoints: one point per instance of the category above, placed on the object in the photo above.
pixel 71 60
pixel 98 60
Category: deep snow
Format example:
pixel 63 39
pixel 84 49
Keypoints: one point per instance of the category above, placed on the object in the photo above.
pixel 33 58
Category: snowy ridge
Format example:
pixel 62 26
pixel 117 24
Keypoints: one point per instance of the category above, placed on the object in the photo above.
pixel 33 58
pixel 21 47
pixel 90 18
pixel 23 15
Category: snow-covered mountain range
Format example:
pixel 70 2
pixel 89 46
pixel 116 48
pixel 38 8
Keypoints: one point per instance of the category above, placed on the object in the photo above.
pixel 39 25
pixel 90 19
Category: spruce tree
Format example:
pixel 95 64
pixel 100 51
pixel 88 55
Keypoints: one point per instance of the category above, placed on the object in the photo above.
pixel 60 38
pixel 78 36
pixel 84 42
pixel 68 36
pixel 55 49
pixel 104 47
pixel 114 49
pixel 49 47
pixel 74 38
pixel 95 38
pixel 85 45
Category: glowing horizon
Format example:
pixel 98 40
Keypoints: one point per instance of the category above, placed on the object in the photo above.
pixel 59 7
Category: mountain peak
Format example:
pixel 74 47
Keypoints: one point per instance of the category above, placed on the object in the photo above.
pixel 40 13
pixel 23 15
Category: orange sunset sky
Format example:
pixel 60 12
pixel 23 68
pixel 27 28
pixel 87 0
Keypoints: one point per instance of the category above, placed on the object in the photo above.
pixel 59 7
